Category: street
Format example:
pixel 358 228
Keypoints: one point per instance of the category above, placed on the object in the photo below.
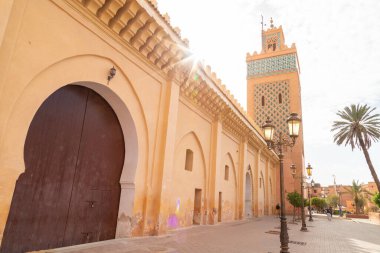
pixel 259 235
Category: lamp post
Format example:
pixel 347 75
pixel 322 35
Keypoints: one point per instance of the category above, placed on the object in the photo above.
pixel 311 186
pixel 294 123
pixel 308 170
pixel 339 205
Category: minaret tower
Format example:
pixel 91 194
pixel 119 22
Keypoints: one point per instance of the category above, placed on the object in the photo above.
pixel 274 91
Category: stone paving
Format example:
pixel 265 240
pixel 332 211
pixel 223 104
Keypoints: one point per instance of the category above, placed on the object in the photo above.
pixel 338 235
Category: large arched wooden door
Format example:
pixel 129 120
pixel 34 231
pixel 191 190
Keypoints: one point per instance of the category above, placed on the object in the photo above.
pixel 69 193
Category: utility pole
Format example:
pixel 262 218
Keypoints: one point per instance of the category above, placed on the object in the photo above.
pixel 335 184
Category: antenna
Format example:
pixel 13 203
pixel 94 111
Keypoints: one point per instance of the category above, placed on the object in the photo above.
pixel 335 184
pixel 262 22
pixel 262 32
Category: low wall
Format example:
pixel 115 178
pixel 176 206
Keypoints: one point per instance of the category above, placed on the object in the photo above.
pixel 374 217
pixel 357 216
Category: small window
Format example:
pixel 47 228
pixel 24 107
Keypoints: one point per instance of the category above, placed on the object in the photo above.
pixel 315 191
pixel 274 46
pixel 262 101
pixel 189 160
pixel 226 172
pixel 280 98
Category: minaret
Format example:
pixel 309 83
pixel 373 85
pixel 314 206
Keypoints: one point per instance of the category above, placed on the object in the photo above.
pixel 273 90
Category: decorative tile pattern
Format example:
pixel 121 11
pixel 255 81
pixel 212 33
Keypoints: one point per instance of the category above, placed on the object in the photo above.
pixel 269 66
pixel 277 112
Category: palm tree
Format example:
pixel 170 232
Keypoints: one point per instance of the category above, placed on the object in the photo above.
pixel 358 127
pixel 357 191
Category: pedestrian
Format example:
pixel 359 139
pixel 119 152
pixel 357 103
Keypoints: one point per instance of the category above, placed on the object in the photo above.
pixel 278 209
pixel 329 213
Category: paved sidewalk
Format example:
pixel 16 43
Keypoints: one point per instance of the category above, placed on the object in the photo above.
pixel 249 236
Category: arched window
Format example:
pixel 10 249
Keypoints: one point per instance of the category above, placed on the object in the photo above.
pixel 189 160
pixel 226 172
pixel 262 101
pixel 280 98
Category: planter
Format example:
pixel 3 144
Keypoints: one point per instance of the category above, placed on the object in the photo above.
pixel 374 217
pixel 357 216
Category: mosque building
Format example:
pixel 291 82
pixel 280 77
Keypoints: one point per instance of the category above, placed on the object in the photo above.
pixel 109 128
pixel 274 91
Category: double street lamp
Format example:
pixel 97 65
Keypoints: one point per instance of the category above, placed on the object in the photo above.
pixel 294 124
pixel 308 170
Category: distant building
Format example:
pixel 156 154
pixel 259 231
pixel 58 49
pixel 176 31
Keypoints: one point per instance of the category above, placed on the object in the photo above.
pixel 344 194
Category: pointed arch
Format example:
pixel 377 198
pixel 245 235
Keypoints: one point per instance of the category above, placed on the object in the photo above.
pixel 229 157
pixel 193 135
pixel 187 188
pixel 228 188
pixel 121 96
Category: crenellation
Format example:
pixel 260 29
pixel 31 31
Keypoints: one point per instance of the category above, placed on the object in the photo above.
pixel 153 2
pixel 166 17
pixel 208 70
pixel 177 30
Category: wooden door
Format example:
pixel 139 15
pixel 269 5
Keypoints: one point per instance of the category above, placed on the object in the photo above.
pixel 197 207
pixel 69 192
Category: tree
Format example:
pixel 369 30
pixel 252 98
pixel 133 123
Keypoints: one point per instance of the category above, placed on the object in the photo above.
pixel 376 199
pixel 319 203
pixel 332 200
pixel 358 127
pixel 295 199
pixel 357 193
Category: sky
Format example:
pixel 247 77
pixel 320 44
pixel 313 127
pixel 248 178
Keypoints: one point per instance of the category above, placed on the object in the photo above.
pixel 337 43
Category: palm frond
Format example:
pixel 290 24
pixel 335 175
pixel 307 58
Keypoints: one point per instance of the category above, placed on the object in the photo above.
pixel 357 121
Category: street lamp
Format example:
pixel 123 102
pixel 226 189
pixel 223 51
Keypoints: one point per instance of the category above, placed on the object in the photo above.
pixel 293 168
pixel 339 204
pixel 311 185
pixel 294 123
pixel 309 170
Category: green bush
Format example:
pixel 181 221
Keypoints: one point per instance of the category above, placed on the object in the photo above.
pixel 376 199
pixel 336 212
pixel 294 199
pixel 319 203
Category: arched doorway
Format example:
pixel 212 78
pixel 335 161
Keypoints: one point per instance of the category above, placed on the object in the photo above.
pixel 69 193
pixel 248 195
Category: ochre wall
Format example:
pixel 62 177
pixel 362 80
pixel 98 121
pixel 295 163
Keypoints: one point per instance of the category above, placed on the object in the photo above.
pixel 49 44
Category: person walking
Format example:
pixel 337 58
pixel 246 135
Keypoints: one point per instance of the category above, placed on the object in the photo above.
pixel 278 209
pixel 329 213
